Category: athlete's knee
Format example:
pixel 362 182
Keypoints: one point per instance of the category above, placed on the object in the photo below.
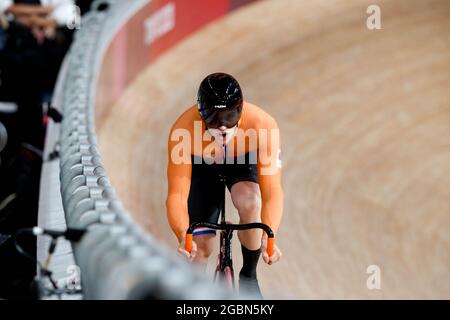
pixel 250 208
pixel 205 245
pixel 248 204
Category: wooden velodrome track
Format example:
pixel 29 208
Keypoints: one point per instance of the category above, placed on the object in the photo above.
pixel 365 120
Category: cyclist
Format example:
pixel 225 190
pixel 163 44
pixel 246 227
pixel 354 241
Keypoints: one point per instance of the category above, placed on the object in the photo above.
pixel 225 136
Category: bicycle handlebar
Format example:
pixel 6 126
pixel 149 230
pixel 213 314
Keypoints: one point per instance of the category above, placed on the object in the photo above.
pixel 229 226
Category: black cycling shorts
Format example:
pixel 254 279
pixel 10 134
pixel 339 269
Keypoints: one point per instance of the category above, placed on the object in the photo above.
pixel 207 191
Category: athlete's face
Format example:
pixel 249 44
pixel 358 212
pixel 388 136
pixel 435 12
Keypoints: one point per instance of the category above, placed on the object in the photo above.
pixel 222 135
pixel 217 120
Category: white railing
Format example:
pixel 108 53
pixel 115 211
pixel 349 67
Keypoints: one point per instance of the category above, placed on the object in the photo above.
pixel 118 260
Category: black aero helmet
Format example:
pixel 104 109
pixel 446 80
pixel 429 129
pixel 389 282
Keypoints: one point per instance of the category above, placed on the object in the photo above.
pixel 220 100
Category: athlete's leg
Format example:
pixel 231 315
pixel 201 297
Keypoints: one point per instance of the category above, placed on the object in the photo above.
pixel 246 198
pixel 204 200
pixel 205 245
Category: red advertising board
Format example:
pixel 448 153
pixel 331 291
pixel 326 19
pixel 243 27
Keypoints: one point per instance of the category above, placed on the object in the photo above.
pixel 148 34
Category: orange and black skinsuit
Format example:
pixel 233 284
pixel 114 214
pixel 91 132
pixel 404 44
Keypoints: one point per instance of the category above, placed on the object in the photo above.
pixel 193 183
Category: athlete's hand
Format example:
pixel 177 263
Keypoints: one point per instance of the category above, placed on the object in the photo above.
pixel 182 251
pixel 276 256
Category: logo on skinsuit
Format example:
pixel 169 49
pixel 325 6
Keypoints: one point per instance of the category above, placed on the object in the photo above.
pixel 279 162
pixel 210 143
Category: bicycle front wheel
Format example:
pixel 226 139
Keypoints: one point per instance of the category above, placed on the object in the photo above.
pixel 228 275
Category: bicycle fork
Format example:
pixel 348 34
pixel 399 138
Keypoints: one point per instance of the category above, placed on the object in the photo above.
pixel 224 259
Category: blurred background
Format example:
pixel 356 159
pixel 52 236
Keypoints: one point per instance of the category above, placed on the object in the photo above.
pixel 364 115
pixel 34 38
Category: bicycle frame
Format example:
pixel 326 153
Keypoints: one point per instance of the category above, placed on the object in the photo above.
pixel 225 259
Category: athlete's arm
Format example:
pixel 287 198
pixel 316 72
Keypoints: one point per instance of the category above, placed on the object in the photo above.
pixel 179 181
pixel 269 174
